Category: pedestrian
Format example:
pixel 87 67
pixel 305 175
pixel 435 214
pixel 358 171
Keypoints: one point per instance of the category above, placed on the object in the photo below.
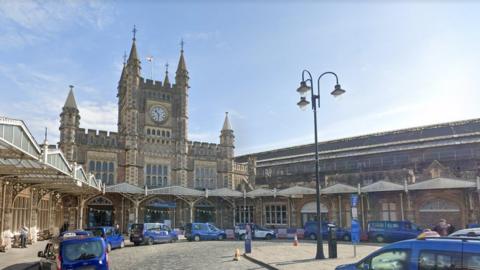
pixel 442 228
pixel 23 237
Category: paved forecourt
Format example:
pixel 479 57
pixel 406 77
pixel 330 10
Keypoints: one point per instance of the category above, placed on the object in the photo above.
pixel 181 255
pixel 283 255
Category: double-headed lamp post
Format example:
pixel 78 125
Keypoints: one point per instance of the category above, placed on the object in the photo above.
pixel 306 85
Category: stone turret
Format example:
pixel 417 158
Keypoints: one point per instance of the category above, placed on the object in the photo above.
pixel 227 139
pixel 69 123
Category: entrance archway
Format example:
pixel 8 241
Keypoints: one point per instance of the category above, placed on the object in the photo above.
pixel 100 212
pixel 309 212
pixel 434 210
pixel 158 210
pixel 204 211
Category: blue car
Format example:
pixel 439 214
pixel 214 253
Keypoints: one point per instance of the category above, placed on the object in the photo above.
pixel 392 231
pixel 76 233
pixel 310 231
pixel 150 233
pixel 74 252
pixel 203 231
pixel 111 235
pixel 423 253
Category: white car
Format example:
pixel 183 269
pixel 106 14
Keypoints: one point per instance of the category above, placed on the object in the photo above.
pixel 259 232
pixel 472 232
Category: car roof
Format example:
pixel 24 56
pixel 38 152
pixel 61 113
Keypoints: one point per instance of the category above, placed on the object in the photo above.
pixel 465 231
pixel 79 238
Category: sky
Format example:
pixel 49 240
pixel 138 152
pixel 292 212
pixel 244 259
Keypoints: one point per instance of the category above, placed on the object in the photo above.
pixel 402 63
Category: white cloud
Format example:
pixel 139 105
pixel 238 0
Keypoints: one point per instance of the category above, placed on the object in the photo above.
pixel 27 22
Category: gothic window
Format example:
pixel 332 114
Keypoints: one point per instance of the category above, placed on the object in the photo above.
pixel 148 131
pixel 244 214
pixel 104 170
pixel 156 175
pixel 163 133
pixel 205 177
pixel 168 134
pixel 276 214
pixel 389 211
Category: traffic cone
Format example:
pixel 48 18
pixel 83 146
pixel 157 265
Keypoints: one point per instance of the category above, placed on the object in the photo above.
pixel 237 255
pixel 295 240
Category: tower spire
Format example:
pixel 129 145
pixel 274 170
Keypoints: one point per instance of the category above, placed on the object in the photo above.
pixel 166 81
pixel 70 102
pixel 133 57
pixel 226 123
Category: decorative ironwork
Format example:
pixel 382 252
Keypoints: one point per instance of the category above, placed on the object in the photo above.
pixel 439 205
pixel 100 201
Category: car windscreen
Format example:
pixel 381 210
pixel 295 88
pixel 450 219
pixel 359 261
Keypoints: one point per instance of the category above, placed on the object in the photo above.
pixel 97 232
pixel 262 228
pixel 82 250
pixel 137 227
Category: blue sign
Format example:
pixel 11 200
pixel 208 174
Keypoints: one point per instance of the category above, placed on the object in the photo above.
pixel 162 204
pixel 355 231
pixel 354 200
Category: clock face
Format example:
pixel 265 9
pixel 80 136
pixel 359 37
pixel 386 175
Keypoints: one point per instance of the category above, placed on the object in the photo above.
pixel 158 114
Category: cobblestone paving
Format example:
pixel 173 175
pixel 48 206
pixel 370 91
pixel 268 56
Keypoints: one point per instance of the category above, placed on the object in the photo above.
pixel 182 255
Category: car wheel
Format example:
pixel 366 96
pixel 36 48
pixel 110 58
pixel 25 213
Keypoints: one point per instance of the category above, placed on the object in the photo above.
pixel 122 245
pixel 346 237
pixel 150 241
pixel 313 236
pixel 109 247
pixel 380 238
pixel 268 237
pixel 220 237
pixel 196 238
pixel 242 237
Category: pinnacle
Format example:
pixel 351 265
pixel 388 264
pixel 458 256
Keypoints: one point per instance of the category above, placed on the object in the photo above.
pixel 70 102
pixel 226 123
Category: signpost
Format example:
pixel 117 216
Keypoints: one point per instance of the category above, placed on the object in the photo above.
pixel 355 226
pixel 248 239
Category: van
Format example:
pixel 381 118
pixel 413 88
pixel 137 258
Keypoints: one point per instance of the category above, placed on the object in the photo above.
pixel 203 231
pixel 111 235
pixel 150 233
pixel 392 231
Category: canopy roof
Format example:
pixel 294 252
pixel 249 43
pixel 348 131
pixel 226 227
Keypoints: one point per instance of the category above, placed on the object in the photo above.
pixel 124 188
pixel 382 186
pixel 261 192
pixel 25 162
pixel 296 190
pixel 442 183
pixel 223 192
pixel 177 191
pixel 338 189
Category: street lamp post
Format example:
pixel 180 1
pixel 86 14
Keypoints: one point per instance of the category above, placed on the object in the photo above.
pixel 303 103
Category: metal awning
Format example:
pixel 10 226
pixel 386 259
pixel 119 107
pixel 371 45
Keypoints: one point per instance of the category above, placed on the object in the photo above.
pixel 124 188
pixel 296 190
pixel 262 192
pixel 223 192
pixel 176 191
pixel 24 161
pixel 339 189
pixel 382 186
pixel 442 183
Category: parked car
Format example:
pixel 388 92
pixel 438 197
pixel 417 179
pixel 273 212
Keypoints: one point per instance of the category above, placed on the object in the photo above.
pixel 311 227
pixel 74 252
pixel 392 231
pixel 472 232
pixel 423 253
pixel 150 233
pixel 259 232
pixel 111 235
pixel 203 231
pixel 76 233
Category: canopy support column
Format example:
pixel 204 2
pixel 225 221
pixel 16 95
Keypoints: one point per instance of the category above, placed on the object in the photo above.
pixel 401 207
pixel 136 204
pixel 81 204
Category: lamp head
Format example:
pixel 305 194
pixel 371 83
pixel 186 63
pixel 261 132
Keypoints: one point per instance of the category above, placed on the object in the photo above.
pixel 303 89
pixel 338 91
pixel 303 103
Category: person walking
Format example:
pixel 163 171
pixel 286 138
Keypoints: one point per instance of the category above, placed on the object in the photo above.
pixel 23 237
pixel 442 228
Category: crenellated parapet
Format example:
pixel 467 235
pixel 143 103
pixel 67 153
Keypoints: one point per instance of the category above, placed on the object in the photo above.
pixel 154 84
pixel 94 137
pixel 205 149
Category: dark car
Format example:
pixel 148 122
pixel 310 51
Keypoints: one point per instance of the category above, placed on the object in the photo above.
pixel 392 231
pixel 150 233
pixel 74 252
pixel 203 231
pixel 311 227
pixel 423 253
pixel 111 235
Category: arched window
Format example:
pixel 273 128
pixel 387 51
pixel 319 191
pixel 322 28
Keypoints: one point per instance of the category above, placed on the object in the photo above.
pixel 148 131
pixel 110 167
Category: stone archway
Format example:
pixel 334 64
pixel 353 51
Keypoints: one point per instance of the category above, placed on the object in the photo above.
pixel 431 211
pixel 158 210
pixel 309 212
pixel 205 211
pixel 100 212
